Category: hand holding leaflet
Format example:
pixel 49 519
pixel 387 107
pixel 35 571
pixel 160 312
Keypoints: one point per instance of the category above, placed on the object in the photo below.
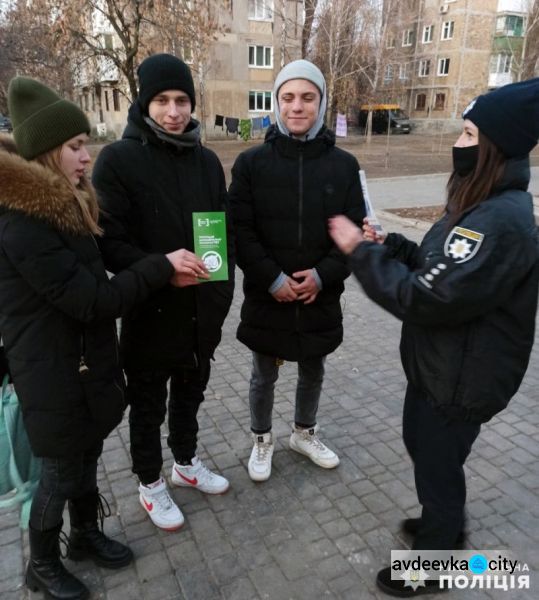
pixel 372 220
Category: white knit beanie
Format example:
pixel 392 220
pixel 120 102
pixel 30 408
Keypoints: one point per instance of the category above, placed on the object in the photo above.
pixel 301 69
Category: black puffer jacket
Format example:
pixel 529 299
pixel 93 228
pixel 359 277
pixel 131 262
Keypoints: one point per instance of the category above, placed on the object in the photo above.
pixel 58 309
pixel 148 190
pixel 282 194
pixel 467 297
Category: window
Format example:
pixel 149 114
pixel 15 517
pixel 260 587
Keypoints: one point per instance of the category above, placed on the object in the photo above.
pixel 510 25
pixel 390 42
pixel 261 10
pixel 187 52
pixel 403 71
pixel 388 73
pixel 260 101
pixel 501 63
pixel 420 101
pixel 116 99
pixel 443 67
pixel 108 42
pixel 427 34
pixel 106 100
pixel 439 102
pixel 261 56
pixel 448 28
pixel 424 68
pixel 408 37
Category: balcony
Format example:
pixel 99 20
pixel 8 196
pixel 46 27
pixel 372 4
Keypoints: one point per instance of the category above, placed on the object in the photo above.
pixel 498 79
pixel 107 70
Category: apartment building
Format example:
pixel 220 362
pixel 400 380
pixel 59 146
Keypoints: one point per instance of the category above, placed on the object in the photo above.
pixel 260 37
pixel 440 54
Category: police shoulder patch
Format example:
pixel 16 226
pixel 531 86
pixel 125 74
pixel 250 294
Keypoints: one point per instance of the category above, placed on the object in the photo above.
pixel 462 244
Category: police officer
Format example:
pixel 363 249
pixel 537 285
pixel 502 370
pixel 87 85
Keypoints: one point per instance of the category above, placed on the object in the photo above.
pixel 467 297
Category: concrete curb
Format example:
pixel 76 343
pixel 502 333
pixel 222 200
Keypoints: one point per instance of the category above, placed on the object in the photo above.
pixel 390 217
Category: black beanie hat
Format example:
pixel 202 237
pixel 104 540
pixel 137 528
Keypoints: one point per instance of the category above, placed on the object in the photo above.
pixel 508 116
pixel 41 119
pixel 162 72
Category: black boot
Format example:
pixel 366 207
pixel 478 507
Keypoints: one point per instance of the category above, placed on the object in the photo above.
pixel 411 527
pixel 87 540
pixel 45 570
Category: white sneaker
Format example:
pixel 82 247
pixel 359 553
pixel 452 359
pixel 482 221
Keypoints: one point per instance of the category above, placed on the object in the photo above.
pixel 197 475
pixel 259 466
pixel 305 441
pixel 157 502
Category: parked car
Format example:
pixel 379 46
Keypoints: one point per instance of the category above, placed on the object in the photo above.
pixel 5 123
pixel 382 115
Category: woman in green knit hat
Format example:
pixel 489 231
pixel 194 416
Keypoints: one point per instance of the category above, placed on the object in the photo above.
pixel 57 317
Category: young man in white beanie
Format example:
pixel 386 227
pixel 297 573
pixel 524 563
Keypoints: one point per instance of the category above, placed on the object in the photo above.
pixel 282 193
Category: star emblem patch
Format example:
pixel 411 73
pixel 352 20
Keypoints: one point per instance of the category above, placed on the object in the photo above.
pixel 462 244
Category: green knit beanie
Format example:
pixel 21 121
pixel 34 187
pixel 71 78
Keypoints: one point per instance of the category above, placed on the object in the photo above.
pixel 41 119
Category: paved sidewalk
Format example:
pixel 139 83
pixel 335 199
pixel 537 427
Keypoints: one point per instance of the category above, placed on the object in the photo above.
pixel 308 533
pixel 420 190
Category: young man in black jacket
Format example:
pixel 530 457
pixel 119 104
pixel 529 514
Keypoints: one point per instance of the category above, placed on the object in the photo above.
pixel 149 184
pixel 282 194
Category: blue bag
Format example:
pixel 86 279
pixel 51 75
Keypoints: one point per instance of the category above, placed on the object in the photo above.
pixel 19 469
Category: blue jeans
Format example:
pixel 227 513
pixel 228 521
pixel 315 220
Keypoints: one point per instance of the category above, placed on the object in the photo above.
pixel 261 391
pixel 63 479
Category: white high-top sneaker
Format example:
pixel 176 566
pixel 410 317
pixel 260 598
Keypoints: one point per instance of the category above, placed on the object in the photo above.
pixel 157 502
pixel 305 441
pixel 197 475
pixel 259 466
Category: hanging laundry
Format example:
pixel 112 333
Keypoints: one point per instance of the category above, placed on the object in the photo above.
pixel 231 124
pixel 341 129
pixel 266 121
pixel 245 129
pixel 257 123
pixel 219 121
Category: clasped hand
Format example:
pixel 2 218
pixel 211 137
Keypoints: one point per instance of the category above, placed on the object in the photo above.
pixel 189 268
pixel 305 290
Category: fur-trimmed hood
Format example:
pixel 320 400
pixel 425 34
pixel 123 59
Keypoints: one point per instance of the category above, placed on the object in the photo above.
pixel 31 188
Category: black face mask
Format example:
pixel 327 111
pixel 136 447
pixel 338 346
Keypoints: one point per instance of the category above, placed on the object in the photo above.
pixel 465 159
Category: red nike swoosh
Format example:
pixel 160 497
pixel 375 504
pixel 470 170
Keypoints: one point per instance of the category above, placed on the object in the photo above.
pixel 193 481
pixel 148 506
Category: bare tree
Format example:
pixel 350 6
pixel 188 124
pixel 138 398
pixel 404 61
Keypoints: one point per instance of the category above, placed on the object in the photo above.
pixel 342 45
pixel 29 47
pixel 310 12
pixel 530 50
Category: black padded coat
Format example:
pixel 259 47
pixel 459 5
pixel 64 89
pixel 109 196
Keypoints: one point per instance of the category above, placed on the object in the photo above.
pixel 467 297
pixel 148 190
pixel 282 194
pixel 58 310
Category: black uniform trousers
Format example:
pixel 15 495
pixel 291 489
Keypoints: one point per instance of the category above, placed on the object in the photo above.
pixel 147 397
pixel 438 449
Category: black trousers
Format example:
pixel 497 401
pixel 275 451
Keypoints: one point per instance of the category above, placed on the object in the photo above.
pixel 438 449
pixel 147 397
pixel 63 479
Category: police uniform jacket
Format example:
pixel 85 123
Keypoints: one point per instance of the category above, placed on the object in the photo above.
pixel 58 310
pixel 467 297
pixel 282 194
pixel 148 190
